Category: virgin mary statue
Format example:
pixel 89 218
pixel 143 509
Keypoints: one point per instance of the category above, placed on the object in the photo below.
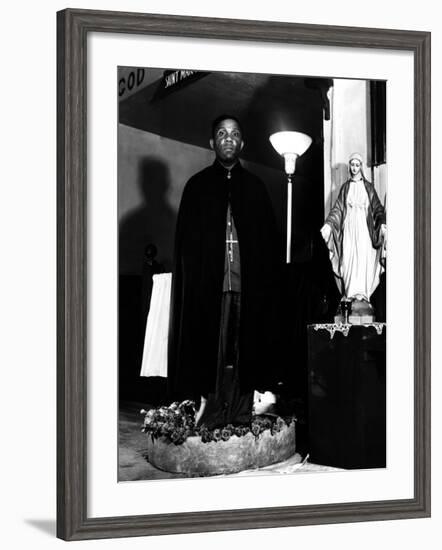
pixel 355 232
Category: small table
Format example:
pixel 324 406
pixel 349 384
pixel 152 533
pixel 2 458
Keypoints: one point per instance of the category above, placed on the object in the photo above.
pixel 347 395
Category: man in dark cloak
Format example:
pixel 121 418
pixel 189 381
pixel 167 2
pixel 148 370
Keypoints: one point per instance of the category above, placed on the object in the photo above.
pixel 224 310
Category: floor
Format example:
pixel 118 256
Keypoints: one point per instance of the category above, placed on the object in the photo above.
pixel 134 464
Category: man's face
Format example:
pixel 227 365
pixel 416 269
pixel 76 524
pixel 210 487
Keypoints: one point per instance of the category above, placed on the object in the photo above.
pixel 355 167
pixel 227 141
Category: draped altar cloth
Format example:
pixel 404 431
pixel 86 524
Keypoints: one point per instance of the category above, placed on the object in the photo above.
pixel 154 361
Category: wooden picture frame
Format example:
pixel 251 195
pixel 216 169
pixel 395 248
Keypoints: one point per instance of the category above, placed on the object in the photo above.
pixel 73 27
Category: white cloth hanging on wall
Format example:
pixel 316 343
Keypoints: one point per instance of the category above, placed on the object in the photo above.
pixel 157 327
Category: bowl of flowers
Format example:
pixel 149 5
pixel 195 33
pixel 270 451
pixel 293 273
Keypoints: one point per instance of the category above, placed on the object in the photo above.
pixel 175 444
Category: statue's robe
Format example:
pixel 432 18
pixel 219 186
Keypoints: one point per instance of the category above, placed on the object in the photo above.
pixel 198 277
pixel 375 218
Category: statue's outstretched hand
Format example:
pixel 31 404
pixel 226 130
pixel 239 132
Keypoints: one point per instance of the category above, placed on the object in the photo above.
pixel 326 232
pixel 384 234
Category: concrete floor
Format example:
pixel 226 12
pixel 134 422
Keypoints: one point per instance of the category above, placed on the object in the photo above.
pixel 134 465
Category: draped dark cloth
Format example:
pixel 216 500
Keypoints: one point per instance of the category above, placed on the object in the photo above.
pixel 197 283
pixel 227 405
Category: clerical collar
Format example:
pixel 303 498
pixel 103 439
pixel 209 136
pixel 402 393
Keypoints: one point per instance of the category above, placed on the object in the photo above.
pixel 236 168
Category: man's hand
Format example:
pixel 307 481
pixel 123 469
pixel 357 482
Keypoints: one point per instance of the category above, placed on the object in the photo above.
pixel 200 411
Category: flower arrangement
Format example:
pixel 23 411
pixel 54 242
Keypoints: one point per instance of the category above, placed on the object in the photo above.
pixel 177 422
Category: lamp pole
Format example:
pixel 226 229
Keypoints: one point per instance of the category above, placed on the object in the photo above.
pixel 289 218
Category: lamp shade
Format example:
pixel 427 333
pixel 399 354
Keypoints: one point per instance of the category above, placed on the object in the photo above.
pixel 290 143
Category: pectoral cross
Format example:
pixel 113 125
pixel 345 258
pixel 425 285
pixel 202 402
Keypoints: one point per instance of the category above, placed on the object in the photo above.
pixel 231 241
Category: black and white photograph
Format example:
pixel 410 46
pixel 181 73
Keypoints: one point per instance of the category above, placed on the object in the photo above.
pixel 252 273
pixel 221 275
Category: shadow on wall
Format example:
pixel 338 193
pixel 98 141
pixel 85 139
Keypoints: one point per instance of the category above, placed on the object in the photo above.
pixel 153 221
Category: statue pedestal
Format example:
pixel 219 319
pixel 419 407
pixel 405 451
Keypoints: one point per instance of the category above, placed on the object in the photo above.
pixel 361 319
pixel 347 395
pixel 195 458
pixel 355 319
pixel 362 313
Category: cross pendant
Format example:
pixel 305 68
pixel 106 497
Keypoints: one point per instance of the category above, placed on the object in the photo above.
pixel 230 242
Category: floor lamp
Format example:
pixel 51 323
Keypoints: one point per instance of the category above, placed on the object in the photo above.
pixel 290 145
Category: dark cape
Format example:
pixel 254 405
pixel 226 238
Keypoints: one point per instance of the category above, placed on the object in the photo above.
pixel 197 282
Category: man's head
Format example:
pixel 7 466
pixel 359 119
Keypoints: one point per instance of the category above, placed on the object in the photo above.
pixel 227 139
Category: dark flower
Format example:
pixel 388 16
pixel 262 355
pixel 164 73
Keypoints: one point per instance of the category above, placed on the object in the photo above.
pixel 216 434
pixel 280 423
pixel 177 419
pixel 190 426
pixel 149 417
pixel 226 433
pixel 244 430
pixel 205 434
pixel 177 436
pixel 266 423
pixel 256 429
pixel 166 428
pixel 187 407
